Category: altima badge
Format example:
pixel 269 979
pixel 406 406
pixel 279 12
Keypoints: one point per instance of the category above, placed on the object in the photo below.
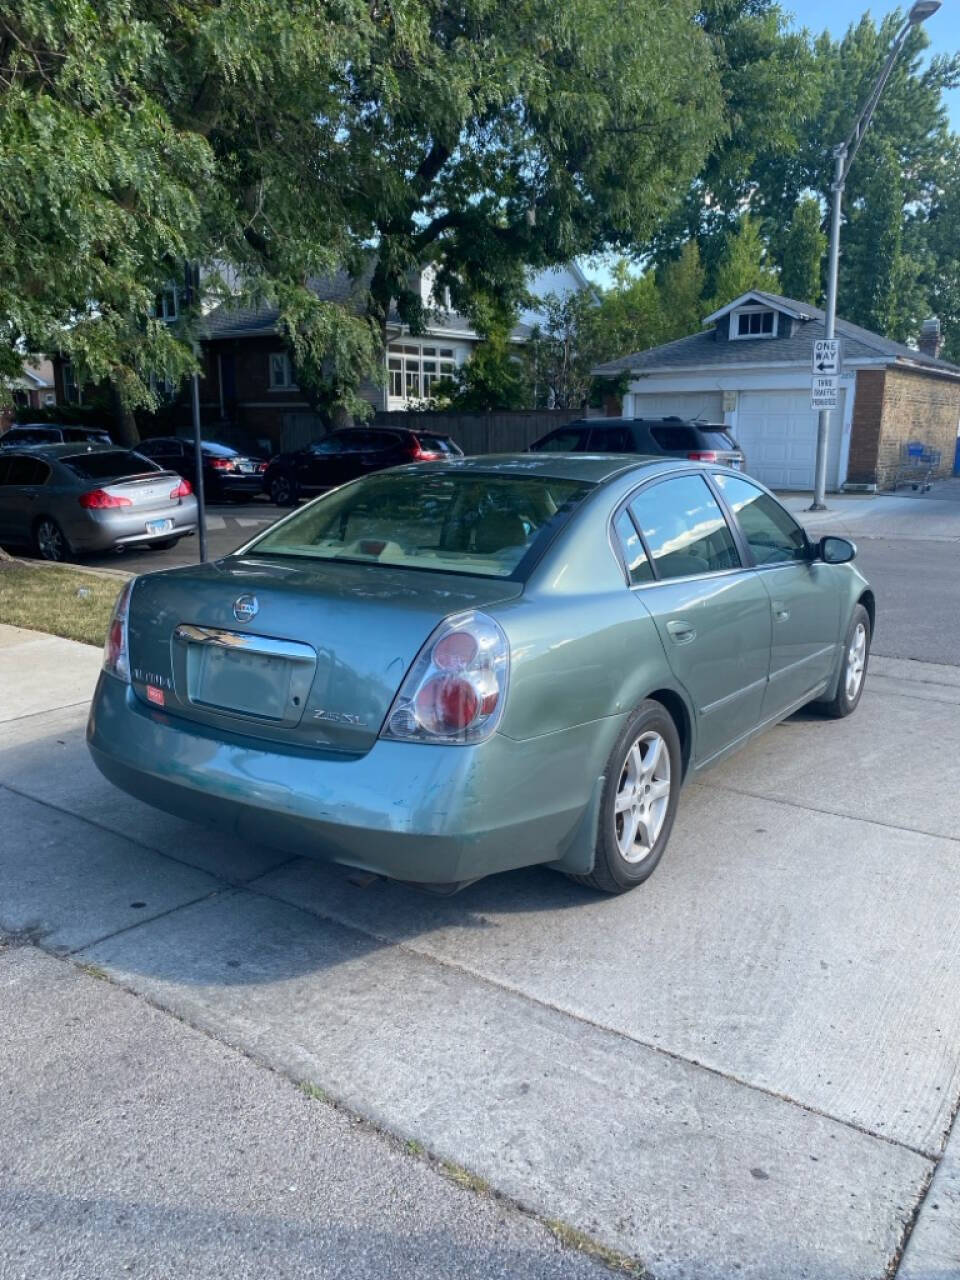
pixel 337 717
pixel 245 608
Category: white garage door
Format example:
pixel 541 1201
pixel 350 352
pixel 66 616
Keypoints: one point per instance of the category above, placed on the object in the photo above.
pixel 777 430
pixel 706 405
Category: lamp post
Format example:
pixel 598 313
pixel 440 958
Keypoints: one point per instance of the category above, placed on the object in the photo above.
pixel 843 156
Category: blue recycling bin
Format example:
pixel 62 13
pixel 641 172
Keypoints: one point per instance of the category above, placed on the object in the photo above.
pixel 956 459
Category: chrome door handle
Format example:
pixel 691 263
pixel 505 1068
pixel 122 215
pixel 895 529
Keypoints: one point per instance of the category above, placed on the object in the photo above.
pixel 681 632
pixel 780 611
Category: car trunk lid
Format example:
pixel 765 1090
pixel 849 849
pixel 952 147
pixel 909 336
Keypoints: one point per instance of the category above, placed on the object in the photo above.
pixel 307 653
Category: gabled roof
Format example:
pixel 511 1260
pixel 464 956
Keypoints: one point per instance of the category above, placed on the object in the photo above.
pixel 703 350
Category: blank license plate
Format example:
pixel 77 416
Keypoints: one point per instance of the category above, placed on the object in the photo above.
pixel 250 683
pixel 159 526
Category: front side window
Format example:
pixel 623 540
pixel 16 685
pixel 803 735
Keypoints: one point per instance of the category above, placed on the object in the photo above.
pixel 684 528
pixel 772 534
pixel 466 523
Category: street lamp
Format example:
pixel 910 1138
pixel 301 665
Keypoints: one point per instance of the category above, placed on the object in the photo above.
pixel 843 158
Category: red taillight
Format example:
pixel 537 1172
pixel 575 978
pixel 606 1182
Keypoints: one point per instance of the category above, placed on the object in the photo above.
pixel 116 659
pixel 183 490
pixel 222 464
pixel 703 455
pixel 262 466
pixel 447 704
pixel 454 693
pixel 98 499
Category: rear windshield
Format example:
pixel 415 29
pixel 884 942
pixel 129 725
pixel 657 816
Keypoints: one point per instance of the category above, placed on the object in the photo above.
pixel 467 523
pixel 681 438
pixel 437 444
pixel 215 450
pixel 108 464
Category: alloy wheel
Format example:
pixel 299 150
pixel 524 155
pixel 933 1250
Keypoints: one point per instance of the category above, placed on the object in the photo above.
pixel 280 491
pixel 50 541
pixel 643 797
pixel 856 661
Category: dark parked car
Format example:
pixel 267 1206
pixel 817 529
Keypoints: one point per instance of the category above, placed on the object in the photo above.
pixel 345 455
pixel 27 434
pixel 655 437
pixel 64 499
pixel 227 473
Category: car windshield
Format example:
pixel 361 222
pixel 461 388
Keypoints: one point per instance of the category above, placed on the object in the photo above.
pixel 108 464
pixel 465 523
pixel 216 450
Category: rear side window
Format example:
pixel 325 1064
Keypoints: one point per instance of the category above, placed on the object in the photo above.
pixel 51 436
pixel 676 439
pixel 684 528
pixel 612 440
pixel 27 471
pixel 772 533
pixel 463 523
pixel 572 441
pixel 110 464
pixel 437 444
pixel 631 546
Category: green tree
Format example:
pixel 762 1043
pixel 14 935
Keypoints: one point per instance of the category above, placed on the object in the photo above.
pixel 682 283
pixel 803 248
pixel 285 139
pixel 743 265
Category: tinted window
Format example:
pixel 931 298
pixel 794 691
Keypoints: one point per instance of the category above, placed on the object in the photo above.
pixel 773 534
pixel 714 439
pixel 110 464
pixel 684 528
pixel 634 556
pixel 676 439
pixel 612 440
pixel 27 471
pixel 161 449
pixel 36 435
pixel 571 441
pixel 466 523
pixel 332 444
pixel 217 450
pixel 380 440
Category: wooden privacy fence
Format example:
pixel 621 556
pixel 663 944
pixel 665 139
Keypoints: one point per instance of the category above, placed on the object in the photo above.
pixel 508 431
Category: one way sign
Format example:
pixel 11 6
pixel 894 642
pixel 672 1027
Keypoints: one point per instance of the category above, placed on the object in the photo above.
pixel 826 356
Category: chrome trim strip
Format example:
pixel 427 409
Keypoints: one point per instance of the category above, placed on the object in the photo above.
pixel 265 646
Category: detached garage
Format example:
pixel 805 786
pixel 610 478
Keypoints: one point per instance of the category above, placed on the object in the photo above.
pixel 751 370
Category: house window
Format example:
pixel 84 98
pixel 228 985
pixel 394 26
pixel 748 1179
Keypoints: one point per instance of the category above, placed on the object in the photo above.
pixel 754 322
pixel 412 370
pixel 167 304
pixel 71 392
pixel 49 399
pixel 281 372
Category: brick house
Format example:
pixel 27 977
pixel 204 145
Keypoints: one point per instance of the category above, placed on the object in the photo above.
pixel 751 369
pixel 249 383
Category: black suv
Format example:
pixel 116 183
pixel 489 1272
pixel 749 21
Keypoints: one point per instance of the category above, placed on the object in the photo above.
pixel 672 437
pixel 351 452
pixel 29 433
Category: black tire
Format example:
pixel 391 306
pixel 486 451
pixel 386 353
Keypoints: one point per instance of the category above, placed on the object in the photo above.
pixel 49 541
pixel 165 543
pixel 283 491
pixel 612 871
pixel 843 702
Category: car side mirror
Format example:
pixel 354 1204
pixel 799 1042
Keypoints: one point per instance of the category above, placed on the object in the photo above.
pixel 834 550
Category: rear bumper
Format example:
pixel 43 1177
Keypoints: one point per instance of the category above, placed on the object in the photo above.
pixel 119 527
pixel 413 812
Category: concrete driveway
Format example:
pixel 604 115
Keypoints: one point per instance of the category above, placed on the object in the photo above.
pixel 750 1066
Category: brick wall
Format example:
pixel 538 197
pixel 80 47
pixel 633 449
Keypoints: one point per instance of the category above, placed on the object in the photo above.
pixel 917 407
pixel 894 407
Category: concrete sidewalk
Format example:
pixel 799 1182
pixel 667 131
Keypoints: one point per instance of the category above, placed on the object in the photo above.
pixel 749 1067
pixel 931 517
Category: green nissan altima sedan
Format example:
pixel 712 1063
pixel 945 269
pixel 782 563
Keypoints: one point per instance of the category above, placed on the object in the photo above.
pixel 452 669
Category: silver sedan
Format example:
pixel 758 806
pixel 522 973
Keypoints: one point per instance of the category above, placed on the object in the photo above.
pixel 63 500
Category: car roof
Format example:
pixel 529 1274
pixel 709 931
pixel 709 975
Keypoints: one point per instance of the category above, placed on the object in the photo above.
pixel 594 468
pixel 654 421
pixel 69 450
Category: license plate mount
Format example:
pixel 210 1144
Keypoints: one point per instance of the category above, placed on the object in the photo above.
pixel 159 526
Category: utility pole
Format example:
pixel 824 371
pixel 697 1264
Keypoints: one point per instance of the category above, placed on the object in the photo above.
pixel 843 158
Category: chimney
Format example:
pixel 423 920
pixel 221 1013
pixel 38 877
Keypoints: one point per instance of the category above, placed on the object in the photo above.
pixel 930 338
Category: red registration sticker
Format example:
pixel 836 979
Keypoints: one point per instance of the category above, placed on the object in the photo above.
pixel 155 695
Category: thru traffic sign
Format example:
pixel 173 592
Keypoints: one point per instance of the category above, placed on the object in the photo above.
pixel 826 357
pixel 824 393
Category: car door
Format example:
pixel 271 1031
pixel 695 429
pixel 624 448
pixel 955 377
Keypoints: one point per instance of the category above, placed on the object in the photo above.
pixel 711 611
pixel 323 465
pixel 804 595
pixel 6 522
pixel 24 481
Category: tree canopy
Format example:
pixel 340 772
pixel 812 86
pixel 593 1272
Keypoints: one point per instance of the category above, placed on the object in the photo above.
pixel 283 139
